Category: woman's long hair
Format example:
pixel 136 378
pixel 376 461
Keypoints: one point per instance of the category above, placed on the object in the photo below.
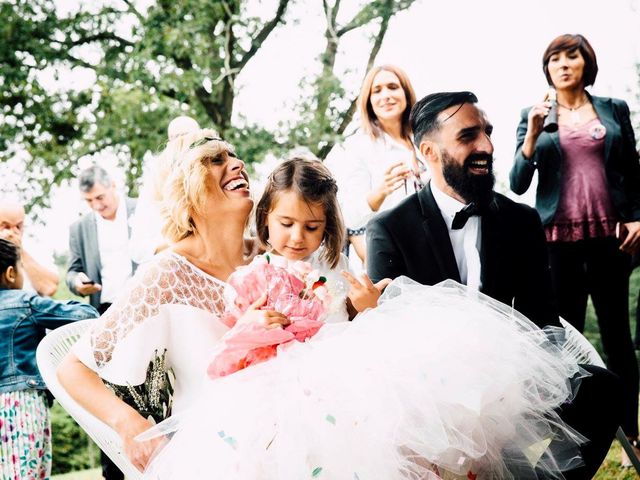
pixel 368 119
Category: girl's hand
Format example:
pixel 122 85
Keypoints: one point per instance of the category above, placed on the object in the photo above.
pixel 139 453
pixel 268 318
pixel 364 294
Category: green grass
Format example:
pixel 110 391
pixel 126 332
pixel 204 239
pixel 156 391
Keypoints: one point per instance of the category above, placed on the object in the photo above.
pixel 611 469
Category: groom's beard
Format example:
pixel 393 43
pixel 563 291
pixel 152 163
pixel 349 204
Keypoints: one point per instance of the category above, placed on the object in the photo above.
pixel 472 187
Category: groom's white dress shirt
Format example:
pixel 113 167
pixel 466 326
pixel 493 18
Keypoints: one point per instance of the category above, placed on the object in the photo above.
pixel 466 242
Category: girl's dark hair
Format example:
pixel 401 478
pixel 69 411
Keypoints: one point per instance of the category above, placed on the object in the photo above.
pixel 313 182
pixel 9 255
pixel 570 42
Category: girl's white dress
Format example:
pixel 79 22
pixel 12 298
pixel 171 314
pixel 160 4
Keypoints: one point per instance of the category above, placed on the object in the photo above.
pixel 436 382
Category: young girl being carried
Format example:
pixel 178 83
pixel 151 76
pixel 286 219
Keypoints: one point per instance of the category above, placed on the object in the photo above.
pixel 303 276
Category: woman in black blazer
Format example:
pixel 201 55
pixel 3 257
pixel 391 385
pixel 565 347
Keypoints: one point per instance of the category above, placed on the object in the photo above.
pixel 588 197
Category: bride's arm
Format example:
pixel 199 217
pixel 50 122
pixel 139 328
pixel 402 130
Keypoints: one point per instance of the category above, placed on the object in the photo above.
pixel 86 387
pixel 93 358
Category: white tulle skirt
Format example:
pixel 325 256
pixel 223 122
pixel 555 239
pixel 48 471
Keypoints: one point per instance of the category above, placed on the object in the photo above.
pixel 435 383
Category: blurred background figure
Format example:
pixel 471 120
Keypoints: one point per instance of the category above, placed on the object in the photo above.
pixel 588 198
pixel 379 165
pixel 39 276
pixel 99 263
pixel 146 239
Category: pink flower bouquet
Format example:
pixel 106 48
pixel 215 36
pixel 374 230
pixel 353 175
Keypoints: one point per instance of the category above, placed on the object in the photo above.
pixel 293 289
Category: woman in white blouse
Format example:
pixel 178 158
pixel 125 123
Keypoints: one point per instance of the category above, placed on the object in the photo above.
pixel 378 166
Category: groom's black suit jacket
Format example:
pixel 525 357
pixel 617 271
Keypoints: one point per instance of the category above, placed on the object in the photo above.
pixel 412 239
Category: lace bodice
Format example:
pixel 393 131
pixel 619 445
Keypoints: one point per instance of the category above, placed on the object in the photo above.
pixel 169 305
pixel 170 280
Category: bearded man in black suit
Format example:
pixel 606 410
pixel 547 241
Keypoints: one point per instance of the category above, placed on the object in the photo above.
pixel 458 228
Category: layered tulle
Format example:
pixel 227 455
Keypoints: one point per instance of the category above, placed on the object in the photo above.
pixel 437 382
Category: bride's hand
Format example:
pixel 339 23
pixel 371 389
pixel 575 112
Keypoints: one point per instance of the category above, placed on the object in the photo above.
pixel 129 427
pixel 364 294
pixel 268 318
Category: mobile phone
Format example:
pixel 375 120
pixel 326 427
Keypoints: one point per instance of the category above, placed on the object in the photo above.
pixel 621 231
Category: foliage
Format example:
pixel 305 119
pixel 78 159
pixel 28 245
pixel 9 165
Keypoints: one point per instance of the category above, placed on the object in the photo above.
pixel 144 68
pixel 326 113
pixel 72 448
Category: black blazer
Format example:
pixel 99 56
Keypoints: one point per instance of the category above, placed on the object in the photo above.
pixel 412 239
pixel 620 157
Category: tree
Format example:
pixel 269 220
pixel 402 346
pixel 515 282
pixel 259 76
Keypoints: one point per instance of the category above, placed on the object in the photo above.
pixel 328 112
pixel 142 68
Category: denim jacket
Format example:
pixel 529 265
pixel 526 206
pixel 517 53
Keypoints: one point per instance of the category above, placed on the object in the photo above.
pixel 24 318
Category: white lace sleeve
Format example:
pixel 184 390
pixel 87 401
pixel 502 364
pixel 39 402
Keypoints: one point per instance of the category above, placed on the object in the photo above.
pixel 120 345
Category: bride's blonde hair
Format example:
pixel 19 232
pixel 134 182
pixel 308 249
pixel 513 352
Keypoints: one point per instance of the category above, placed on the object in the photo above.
pixel 181 187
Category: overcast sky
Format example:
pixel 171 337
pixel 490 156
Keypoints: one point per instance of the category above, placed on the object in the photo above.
pixel 490 47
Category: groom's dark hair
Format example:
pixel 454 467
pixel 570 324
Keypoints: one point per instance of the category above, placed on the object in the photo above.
pixel 424 114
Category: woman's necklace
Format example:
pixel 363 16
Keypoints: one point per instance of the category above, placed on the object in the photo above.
pixel 575 114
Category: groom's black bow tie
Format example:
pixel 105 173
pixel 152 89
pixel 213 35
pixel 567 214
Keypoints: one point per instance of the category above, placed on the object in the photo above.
pixel 460 218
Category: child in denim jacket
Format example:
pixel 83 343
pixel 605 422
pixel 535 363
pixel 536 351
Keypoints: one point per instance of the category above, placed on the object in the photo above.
pixel 25 427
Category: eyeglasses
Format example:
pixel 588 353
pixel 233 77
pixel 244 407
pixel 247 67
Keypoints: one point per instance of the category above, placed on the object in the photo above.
pixel 203 140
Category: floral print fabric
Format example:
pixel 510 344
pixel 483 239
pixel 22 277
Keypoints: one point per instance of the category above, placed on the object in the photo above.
pixel 25 436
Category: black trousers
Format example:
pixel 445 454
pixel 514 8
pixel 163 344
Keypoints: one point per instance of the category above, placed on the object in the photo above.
pixel 595 412
pixel 109 469
pixel 598 268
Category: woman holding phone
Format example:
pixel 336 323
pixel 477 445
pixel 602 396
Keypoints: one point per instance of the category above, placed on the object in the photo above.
pixel 588 198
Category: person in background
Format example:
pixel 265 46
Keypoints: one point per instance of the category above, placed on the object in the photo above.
pixel 588 198
pixel 100 264
pixel 146 238
pixel 25 427
pixel 43 279
pixel 379 165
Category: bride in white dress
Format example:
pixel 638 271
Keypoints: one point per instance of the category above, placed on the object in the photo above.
pixel 430 384
pixel 170 311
